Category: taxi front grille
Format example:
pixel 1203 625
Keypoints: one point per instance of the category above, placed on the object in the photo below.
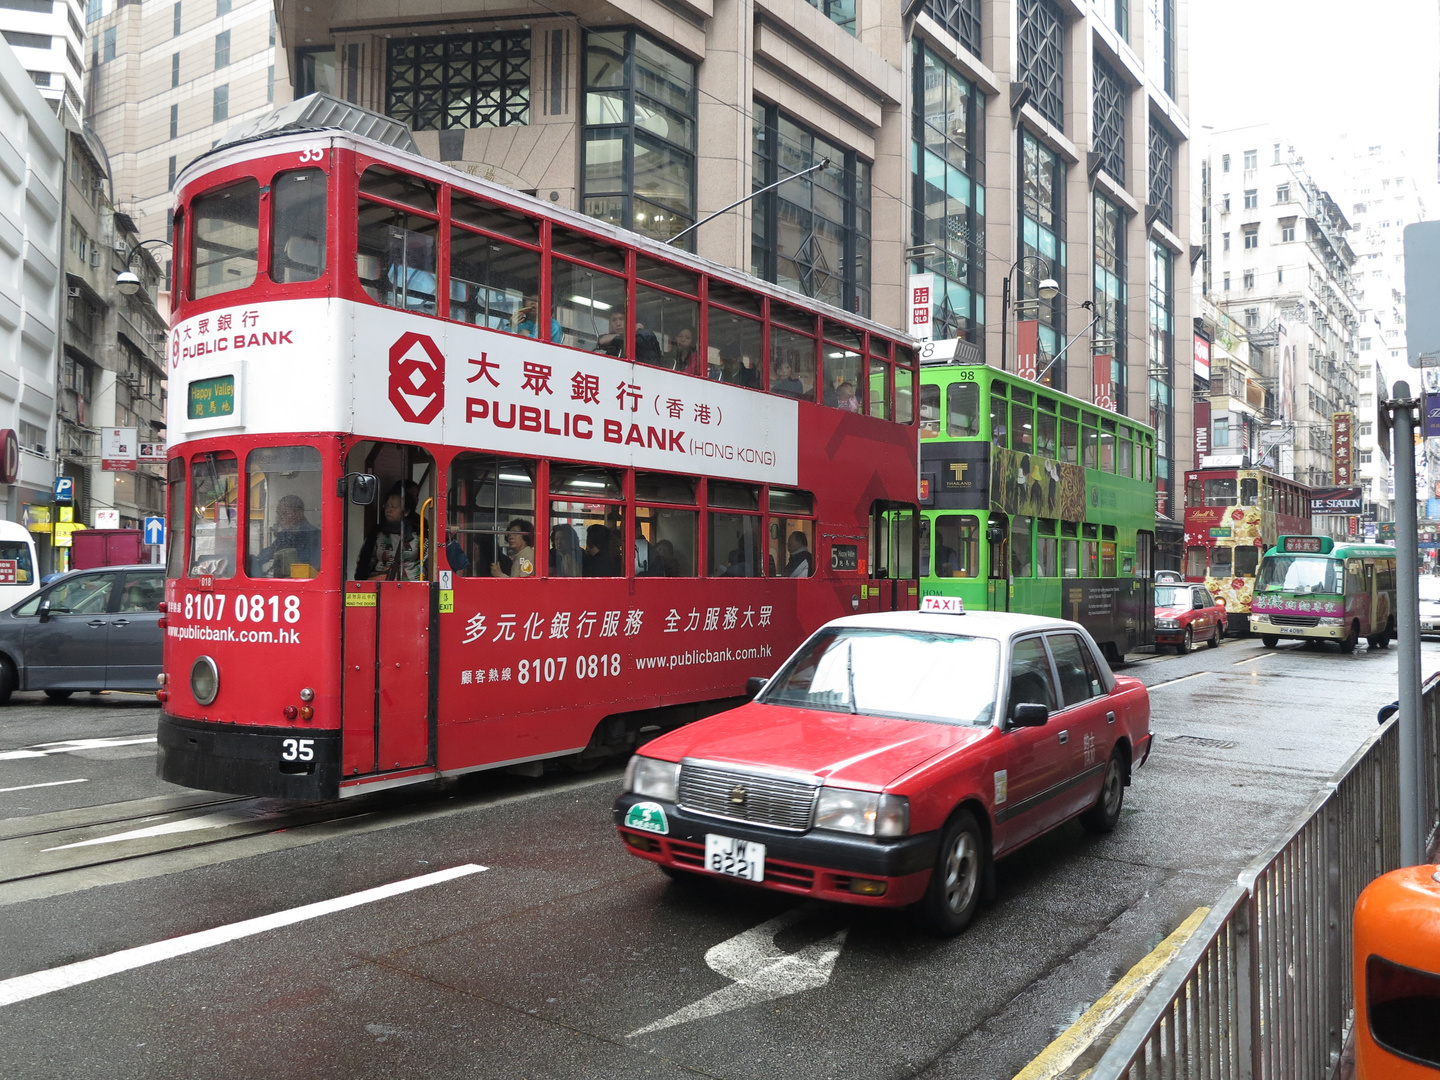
pixel 742 796
pixel 1295 620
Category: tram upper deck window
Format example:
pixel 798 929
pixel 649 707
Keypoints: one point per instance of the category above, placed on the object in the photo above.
pixel 1250 492
pixel 667 331
pixel 493 284
pixel 396 252
pixel 589 307
pixel 1220 491
pixel 214 514
pixel 735 348
pixel 225 235
pixel 929 411
pixel 792 351
pixel 487 493
pixel 283 510
pixel 906 380
pixel 842 367
pixel 297 226
pixel 962 405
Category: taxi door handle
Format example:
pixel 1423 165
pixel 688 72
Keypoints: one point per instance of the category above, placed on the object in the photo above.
pixel 96 622
pixel 1109 718
pixel 121 622
pixel 1064 737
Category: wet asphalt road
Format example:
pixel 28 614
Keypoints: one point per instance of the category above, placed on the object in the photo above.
pixel 566 958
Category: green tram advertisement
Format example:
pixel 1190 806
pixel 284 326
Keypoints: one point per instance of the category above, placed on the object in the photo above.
pixel 1035 501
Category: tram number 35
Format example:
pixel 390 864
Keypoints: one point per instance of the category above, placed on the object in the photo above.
pixel 297 749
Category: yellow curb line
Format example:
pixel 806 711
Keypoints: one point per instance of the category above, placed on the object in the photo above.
pixel 1073 1042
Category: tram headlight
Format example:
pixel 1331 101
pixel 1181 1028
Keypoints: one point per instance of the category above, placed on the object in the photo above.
pixel 204 680
pixel 307 694
pixel 652 778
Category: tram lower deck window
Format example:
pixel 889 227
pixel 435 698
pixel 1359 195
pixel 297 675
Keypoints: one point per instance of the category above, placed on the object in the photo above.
pixel 284 512
pixel 214 514
pixel 957 545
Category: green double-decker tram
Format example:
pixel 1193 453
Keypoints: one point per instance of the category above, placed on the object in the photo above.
pixel 1035 501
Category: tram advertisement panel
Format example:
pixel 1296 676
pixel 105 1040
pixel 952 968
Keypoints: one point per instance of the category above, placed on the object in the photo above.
pixel 425 379
pixel 1037 486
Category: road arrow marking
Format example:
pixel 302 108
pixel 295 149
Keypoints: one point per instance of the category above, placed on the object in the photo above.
pixel 762 972
pixel 207 821
pixel 74 745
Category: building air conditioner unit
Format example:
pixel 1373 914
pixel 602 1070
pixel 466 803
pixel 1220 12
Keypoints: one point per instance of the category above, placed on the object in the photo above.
pixel 94 257
pixel 73 293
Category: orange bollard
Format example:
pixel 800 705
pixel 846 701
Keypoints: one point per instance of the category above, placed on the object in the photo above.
pixel 1397 976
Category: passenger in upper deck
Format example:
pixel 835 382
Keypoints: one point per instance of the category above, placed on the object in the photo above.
pixel 684 356
pixel 527 324
pixel 786 382
pixel 647 345
pixel 392 550
pixel 738 370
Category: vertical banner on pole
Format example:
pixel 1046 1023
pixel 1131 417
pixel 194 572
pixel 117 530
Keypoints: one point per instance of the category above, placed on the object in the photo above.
pixel 1027 347
pixel 1104 383
pixel 921 305
pixel 1202 431
pixel 1342 446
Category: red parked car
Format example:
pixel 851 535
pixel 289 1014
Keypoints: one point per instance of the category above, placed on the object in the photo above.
pixel 1185 614
pixel 892 758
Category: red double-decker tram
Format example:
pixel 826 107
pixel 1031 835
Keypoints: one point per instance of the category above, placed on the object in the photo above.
pixel 461 480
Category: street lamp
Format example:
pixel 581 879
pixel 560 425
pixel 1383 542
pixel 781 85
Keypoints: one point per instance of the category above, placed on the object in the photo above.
pixel 1048 289
pixel 127 282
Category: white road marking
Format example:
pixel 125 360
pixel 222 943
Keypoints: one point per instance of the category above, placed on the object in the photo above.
pixel 45 749
pixel 760 970
pixel 206 821
pixel 52 783
pixel 39 983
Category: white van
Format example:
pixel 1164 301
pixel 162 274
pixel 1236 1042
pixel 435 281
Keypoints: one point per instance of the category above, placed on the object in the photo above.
pixel 17 550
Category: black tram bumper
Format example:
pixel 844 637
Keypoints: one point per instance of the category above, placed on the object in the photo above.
pixel 254 761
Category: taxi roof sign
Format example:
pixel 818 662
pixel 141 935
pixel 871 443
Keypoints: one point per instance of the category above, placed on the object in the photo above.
pixel 1168 577
pixel 943 605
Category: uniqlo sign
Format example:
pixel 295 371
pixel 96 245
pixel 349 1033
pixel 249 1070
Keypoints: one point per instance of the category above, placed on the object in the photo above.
pixel 921 305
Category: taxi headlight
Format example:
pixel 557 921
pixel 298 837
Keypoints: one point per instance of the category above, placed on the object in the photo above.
pixel 1166 624
pixel 652 778
pixel 864 812
pixel 204 680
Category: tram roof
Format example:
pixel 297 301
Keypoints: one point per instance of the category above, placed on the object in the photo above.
pixel 382 137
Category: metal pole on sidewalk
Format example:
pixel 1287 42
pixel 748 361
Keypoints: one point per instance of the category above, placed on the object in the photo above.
pixel 1407 602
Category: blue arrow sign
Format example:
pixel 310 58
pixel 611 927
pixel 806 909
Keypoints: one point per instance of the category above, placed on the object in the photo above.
pixel 155 530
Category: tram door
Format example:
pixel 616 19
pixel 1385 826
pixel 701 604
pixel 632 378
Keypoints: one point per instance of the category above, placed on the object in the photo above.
pixel 894 583
pixel 390 613
pixel 997 579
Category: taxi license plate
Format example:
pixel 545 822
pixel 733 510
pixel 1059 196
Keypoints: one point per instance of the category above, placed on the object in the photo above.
pixel 734 858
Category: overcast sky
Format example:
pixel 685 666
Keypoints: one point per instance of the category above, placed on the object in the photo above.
pixel 1317 69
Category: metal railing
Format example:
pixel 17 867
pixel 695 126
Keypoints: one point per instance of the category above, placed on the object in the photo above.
pixel 1262 990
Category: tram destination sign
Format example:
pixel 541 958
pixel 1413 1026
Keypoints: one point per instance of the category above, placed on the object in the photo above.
pixel 211 397
pixel 1335 501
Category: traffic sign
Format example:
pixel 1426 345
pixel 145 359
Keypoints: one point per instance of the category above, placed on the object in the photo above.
pixel 155 530
pixel 64 489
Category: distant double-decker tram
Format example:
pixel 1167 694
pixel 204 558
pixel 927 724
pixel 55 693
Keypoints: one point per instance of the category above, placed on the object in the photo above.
pixel 1232 516
pixel 461 480
pixel 1038 502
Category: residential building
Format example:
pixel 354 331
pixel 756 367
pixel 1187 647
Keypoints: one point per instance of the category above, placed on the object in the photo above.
pixel 32 145
pixel 1381 195
pixel 48 37
pixel 983 141
pixel 1278 263
pixel 166 82
pixel 112 372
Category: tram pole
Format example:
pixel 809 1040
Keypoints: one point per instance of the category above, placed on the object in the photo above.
pixel 1402 408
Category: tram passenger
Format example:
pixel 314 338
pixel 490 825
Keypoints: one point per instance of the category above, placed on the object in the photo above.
pixel 801 562
pixel 295 540
pixel 663 560
pixel 392 550
pixel 647 345
pixel 684 356
pixel 527 323
pixel 786 382
pixel 520 539
pixel 738 370
pixel 845 399
pixel 564 552
pixel 599 560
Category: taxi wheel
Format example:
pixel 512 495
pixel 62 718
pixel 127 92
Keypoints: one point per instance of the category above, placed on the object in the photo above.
pixel 7 680
pixel 59 695
pixel 1214 641
pixel 1105 814
pixel 1187 643
pixel 956 882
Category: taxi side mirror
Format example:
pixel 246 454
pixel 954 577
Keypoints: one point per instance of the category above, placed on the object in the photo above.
pixel 44 610
pixel 1029 714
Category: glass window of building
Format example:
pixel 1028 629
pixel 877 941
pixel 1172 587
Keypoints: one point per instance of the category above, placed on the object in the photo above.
pixel 639 141
pixel 840 12
pixel 1160 344
pixel 813 234
pixel 1042 57
pixel 948 199
pixel 1109 332
pixel 1160 45
pixel 314 70
pixel 1042 184
pixel 459 80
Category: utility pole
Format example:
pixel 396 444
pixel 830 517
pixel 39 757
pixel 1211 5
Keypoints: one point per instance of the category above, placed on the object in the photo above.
pixel 1403 410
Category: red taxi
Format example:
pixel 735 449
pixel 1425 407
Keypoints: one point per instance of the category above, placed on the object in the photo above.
pixel 892 758
pixel 1186 613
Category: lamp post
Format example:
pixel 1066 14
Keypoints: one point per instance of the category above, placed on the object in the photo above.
pixel 127 281
pixel 1048 289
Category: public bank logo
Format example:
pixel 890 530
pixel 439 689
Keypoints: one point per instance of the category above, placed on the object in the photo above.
pixel 417 378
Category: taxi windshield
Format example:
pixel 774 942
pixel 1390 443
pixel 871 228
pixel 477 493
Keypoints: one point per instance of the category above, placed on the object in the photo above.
pixel 1298 574
pixel 944 678
pixel 1172 596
